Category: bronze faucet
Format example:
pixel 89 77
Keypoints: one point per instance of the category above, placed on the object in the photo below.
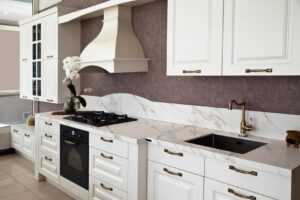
pixel 244 127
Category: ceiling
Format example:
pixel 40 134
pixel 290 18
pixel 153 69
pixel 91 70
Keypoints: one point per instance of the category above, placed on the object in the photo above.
pixel 11 11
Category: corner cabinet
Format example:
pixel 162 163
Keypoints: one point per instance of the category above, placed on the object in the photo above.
pixel 43 45
pixel 239 38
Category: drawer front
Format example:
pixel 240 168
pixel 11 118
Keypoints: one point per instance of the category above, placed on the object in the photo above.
pixel 28 144
pixel 215 190
pixel 108 167
pixel 48 125
pixel 249 178
pixel 178 159
pixel 49 143
pixel 100 190
pixel 49 167
pixel 109 144
pixel 16 138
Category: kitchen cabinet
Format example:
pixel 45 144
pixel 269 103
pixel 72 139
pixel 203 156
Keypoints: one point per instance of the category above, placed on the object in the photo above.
pixel 27 147
pixel 194 37
pixel 169 183
pixel 215 190
pixel 16 138
pixel 44 44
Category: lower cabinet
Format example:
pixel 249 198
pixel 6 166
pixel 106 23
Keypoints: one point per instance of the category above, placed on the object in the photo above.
pixel 27 147
pixel 23 142
pixel 49 167
pixel 215 190
pixel 168 183
pixel 16 138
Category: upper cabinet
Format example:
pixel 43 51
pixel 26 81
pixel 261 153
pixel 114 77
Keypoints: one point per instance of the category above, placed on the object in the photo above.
pixel 43 45
pixel 243 38
pixel 195 37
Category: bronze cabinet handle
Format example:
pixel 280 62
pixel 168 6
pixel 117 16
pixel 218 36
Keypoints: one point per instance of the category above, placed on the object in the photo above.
pixel 253 173
pixel 49 100
pixel 191 71
pixel 24 59
pixel 70 143
pixel 48 136
pixel 173 173
pixel 106 140
pixel 16 131
pixel 26 135
pixel 268 70
pixel 106 188
pixel 35 98
pixel 50 56
pixel 173 153
pixel 241 195
pixel 48 123
pixel 49 159
pixel 107 157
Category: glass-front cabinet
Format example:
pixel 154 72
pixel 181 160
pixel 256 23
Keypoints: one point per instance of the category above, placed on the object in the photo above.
pixel 36 61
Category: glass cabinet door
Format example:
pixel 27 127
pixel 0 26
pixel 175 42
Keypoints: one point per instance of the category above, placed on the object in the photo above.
pixel 36 60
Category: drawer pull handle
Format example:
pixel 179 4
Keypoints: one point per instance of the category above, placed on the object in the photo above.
pixel 35 98
pixel 107 157
pixel 26 135
pixel 49 159
pixel 48 123
pixel 269 70
pixel 253 173
pixel 70 143
pixel 16 131
pixel 24 59
pixel 48 136
pixel 106 188
pixel 173 173
pixel 51 56
pixel 49 100
pixel 106 140
pixel 241 195
pixel 191 71
pixel 173 153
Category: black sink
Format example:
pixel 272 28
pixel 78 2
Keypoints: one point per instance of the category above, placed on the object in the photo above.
pixel 236 145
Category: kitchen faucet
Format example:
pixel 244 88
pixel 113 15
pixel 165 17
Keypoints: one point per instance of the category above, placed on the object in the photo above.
pixel 244 127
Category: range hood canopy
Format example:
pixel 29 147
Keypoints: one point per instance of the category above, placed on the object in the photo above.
pixel 116 49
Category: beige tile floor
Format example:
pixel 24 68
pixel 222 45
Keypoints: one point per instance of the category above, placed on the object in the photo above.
pixel 17 182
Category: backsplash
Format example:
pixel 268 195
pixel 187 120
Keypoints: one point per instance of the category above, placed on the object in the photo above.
pixel 267 94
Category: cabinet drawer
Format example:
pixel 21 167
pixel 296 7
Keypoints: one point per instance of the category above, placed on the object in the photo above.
pixel 109 144
pixel 48 125
pixel 27 148
pixel 49 167
pixel 49 143
pixel 175 158
pixel 16 138
pixel 108 167
pixel 249 178
pixel 100 190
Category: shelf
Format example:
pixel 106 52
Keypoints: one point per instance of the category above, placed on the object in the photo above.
pixel 97 10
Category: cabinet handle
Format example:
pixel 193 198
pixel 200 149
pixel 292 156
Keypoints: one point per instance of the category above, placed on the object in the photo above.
pixel 24 59
pixel 51 56
pixel 26 135
pixel 106 188
pixel 173 173
pixel 25 97
pixel 49 159
pixel 16 131
pixel 48 136
pixel 48 123
pixel 191 71
pixel 107 157
pixel 49 100
pixel 35 98
pixel 269 70
pixel 173 153
pixel 253 173
pixel 106 140
pixel 231 191
pixel 70 143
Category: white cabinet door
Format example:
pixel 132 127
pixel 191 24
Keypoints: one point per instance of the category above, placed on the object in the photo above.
pixel 25 43
pixel 16 138
pixel 50 36
pixel 167 183
pixel 25 80
pixel 27 147
pixel 49 167
pixel 215 190
pixel 195 30
pixel 50 81
pixel 261 37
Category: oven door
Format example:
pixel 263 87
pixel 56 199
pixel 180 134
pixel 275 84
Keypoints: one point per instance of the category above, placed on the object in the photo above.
pixel 74 161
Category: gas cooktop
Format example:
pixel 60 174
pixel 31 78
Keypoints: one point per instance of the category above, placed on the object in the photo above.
pixel 99 118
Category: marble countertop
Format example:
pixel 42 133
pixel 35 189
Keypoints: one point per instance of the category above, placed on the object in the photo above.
pixel 274 156
pixel 25 127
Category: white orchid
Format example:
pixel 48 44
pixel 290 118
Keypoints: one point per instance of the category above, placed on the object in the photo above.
pixel 71 67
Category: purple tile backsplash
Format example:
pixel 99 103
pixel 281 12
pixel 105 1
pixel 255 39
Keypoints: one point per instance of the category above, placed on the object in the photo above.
pixel 270 94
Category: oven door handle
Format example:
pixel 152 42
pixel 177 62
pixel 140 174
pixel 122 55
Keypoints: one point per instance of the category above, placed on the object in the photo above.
pixel 70 143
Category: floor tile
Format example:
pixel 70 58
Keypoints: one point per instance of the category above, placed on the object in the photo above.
pixel 15 169
pixel 10 187
pixel 28 195
pixel 29 182
pixel 49 192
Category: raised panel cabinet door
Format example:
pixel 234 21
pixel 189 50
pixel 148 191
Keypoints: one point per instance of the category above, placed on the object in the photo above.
pixel 261 37
pixel 16 138
pixel 27 147
pixel 25 80
pixel 50 81
pixel 25 43
pixel 50 36
pixel 168 183
pixel 194 42
pixel 215 190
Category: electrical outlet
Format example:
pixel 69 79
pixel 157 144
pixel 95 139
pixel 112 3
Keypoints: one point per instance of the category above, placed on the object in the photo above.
pixel 26 115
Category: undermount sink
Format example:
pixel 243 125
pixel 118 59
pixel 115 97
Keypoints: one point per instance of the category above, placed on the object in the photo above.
pixel 236 145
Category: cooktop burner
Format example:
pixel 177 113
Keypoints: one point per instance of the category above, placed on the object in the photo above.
pixel 99 118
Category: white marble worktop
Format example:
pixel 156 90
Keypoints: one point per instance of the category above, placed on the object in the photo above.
pixel 274 157
pixel 25 127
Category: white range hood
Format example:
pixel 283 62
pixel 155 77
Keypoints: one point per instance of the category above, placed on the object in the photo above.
pixel 116 49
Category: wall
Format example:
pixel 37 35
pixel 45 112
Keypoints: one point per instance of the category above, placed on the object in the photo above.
pixel 269 94
pixel 9 56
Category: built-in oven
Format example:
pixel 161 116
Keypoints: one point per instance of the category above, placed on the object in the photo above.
pixel 74 155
